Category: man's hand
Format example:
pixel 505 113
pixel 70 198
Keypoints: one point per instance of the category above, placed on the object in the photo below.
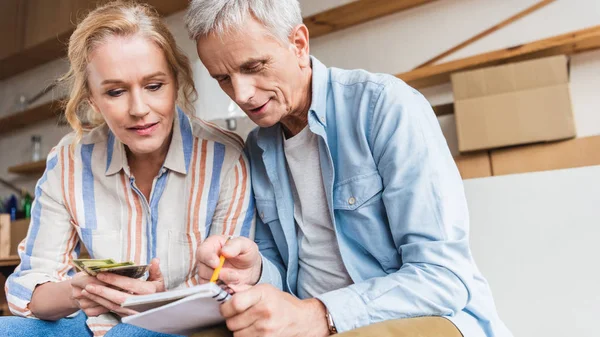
pixel 114 289
pixel 242 260
pixel 266 311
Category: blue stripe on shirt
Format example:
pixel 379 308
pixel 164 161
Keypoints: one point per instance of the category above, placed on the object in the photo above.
pixel 18 290
pixel 110 144
pixel 245 231
pixel 186 137
pixel 89 199
pixel 159 188
pixel 36 213
pixel 215 184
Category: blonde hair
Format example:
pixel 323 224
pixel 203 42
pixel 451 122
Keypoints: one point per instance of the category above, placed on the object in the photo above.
pixel 119 18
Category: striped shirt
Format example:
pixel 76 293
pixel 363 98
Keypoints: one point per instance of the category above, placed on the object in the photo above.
pixel 88 196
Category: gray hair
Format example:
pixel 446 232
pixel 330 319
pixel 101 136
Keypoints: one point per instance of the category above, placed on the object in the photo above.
pixel 217 16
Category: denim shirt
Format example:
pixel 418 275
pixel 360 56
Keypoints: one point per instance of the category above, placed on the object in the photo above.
pixel 397 203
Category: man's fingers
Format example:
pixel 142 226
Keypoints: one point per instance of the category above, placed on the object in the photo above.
pixel 242 321
pixel 237 246
pixel 204 273
pixel 209 250
pixel 241 302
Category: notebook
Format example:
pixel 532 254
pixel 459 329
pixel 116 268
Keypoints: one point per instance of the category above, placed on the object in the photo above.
pixel 182 311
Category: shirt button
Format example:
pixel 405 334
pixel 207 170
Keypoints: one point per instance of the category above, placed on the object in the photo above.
pixel 262 215
pixel 352 201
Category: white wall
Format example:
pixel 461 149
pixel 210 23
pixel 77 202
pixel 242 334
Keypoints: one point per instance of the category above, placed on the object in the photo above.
pixel 534 237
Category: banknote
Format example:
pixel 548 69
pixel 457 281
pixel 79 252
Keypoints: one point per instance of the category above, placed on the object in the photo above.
pixel 93 267
pixel 85 264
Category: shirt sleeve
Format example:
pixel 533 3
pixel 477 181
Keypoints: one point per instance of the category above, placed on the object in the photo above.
pixel 427 214
pixel 50 243
pixel 235 213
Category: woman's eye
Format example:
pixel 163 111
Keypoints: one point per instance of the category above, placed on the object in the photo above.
pixel 115 92
pixel 154 87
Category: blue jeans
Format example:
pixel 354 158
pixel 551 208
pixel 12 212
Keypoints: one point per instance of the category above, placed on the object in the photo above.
pixel 12 326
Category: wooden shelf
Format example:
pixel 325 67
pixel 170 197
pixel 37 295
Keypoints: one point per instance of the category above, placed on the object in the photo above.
pixel 9 261
pixel 36 167
pixel 570 43
pixel 443 109
pixel 355 13
pixel 56 47
pixel 30 116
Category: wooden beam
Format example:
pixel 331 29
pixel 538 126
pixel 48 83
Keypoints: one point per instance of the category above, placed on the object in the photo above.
pixel 443 109
pixel 487 32
pixel 33 168
pixel 570 43
pixel 56 47
pixel 355 13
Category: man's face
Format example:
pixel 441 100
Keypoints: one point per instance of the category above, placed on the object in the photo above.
pixel 264 77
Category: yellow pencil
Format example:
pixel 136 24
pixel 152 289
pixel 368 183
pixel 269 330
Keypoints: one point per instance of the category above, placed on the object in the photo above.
pixel 215 275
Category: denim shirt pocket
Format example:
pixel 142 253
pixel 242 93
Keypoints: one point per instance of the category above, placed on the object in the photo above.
pixel 266 210
pixel 355 192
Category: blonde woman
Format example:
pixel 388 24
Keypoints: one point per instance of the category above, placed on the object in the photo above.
pixel 148 183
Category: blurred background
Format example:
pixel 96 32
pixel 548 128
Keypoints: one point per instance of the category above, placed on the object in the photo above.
pixel 515 85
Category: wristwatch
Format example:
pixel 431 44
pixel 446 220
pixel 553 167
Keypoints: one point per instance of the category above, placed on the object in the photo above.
pixel 330 324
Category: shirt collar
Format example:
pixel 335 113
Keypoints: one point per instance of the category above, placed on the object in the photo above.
pixel 178 154
pixel 319 90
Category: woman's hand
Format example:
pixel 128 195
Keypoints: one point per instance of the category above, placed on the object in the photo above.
pixel 78 284
pixel 112 290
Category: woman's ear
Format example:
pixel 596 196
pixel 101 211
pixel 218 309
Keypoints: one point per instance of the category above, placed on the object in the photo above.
pixel 93 105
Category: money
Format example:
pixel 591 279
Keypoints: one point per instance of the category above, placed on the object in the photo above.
pixel 92 267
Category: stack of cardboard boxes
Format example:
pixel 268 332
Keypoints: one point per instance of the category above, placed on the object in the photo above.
pixel 518 118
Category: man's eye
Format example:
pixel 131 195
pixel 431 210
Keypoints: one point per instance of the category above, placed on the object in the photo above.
pixel 115 92
pixel 223 79
pixel 154 87
pixel 254 68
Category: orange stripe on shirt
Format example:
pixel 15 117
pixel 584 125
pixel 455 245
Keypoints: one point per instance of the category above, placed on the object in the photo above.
pixel 232 200
pixel 189 212
pixel 138 228
pixel 14 307
pixel 233 136
pixel 61 158
pixel 68 252
pixel 129 215
pixel 241 198
pixel 200 190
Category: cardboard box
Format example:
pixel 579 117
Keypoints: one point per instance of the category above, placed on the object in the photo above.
pixel 474 165
pixel 11 234
pixel 518 103
pixel 576 152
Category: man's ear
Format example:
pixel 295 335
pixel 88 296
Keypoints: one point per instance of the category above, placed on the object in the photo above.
pixel 300 42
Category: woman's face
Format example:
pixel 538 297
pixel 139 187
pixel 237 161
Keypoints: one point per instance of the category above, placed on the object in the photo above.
pixel 132 87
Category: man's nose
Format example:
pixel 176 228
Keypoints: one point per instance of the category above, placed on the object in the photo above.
pixel 243 89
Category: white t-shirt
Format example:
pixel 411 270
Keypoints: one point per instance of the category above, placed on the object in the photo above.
pixel 321 268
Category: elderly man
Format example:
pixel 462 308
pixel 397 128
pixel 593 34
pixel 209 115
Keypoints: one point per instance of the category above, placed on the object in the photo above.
pixel 363 217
